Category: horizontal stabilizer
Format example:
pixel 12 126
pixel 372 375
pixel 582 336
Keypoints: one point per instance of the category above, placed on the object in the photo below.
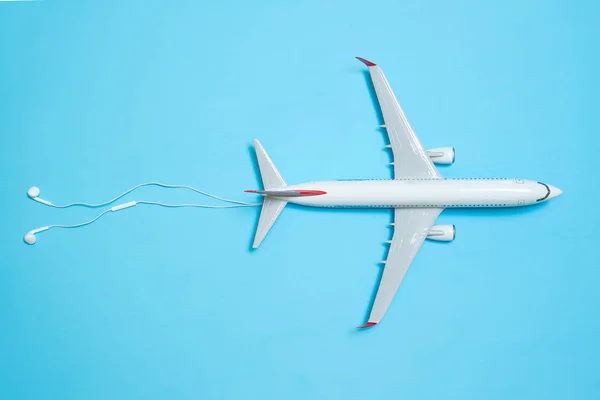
pixel 270 211
pixel 270 176
pixel 272 183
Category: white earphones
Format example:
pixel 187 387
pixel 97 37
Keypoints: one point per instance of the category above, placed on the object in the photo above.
pixel 34 192
pixel 30 236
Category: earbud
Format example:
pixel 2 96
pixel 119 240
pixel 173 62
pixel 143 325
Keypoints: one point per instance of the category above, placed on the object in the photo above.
pixel 33 194
pixel 30 236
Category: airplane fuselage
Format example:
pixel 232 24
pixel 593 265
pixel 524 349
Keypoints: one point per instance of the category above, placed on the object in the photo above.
pixel 441 193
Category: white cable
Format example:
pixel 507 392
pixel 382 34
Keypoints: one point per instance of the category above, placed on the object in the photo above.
pixel 152 203
pixel 163 185
pixel 83 223
pixel 30 236
pixel 240 204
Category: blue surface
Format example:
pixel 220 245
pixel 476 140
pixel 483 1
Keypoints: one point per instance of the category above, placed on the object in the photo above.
pixel 171 304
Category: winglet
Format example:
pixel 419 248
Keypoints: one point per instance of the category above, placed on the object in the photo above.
pixel 366 62
pixel 367 325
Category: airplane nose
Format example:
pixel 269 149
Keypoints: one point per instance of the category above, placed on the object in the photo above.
pixel 554 192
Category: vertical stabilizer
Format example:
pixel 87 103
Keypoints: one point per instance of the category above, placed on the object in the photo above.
pixel 272 207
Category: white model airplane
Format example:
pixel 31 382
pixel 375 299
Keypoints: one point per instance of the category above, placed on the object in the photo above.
pixel 418 194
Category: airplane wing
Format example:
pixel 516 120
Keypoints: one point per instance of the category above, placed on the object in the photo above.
pixel 411 226
pixel 410 159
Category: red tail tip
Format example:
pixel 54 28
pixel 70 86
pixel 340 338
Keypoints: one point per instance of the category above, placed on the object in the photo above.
pixel 366 62
pixel 367 325
pixel 250 191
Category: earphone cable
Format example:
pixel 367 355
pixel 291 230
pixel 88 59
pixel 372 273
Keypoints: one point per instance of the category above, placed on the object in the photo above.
pixel 159 184
pixel 152 203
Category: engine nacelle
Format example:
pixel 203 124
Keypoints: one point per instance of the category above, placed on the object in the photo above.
pixel 441 155
pixel 442 233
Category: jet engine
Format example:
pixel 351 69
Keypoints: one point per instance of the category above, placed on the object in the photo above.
pixel 442 155
pixel 442 233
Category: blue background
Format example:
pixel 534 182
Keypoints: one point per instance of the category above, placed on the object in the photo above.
pixel 151 303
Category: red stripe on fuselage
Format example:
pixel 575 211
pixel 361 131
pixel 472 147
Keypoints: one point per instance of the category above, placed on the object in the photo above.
pixel 288 193
pixel 311 192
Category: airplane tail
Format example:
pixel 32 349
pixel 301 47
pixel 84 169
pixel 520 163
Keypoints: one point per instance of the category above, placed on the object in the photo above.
pixel 271 207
